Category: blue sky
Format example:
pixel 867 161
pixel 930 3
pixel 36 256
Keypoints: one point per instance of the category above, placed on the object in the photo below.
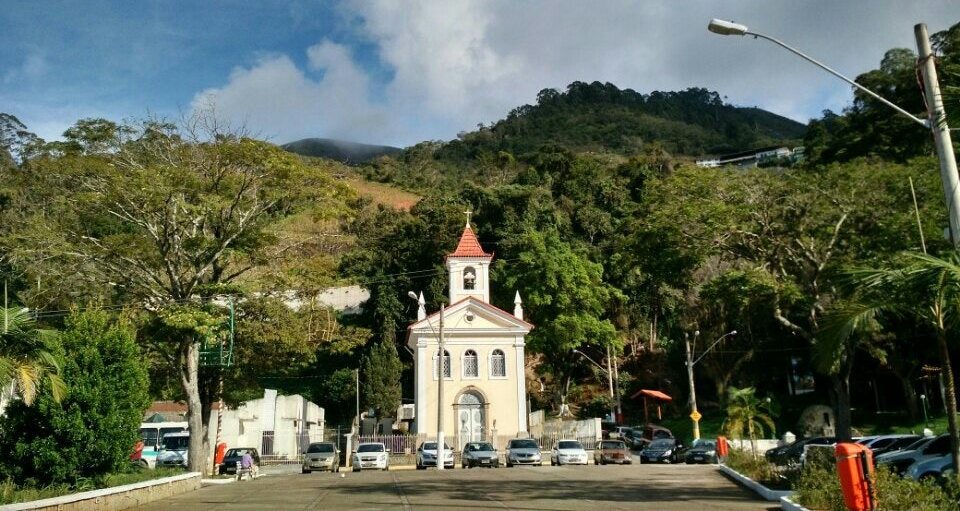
pixel 400 72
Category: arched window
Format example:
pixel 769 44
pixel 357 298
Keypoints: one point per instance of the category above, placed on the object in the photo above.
pixel 498 364
pixel 469 278
pixel 471 364
pixel 446 365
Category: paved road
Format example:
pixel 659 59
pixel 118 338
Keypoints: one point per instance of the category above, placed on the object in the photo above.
pixel 594 488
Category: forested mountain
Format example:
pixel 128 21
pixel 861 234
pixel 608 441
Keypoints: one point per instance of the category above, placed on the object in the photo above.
pixel 587 117
pixel 339 150
pixel 601 117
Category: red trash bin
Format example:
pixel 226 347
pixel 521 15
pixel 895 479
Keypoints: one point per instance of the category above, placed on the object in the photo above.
pixel 855 469
pixel 722 448
pixel 221 450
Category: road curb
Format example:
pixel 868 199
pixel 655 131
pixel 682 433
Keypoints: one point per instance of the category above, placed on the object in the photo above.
pixel 759 489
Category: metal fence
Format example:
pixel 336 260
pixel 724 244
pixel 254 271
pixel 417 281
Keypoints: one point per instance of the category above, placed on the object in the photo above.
pixel 396 444
pixel 288 448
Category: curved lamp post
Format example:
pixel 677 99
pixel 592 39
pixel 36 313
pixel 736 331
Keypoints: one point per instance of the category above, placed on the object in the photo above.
pixel 936 115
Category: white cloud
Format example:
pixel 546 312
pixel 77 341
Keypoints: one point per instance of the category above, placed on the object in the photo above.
pixel 278 101
pixel 457 63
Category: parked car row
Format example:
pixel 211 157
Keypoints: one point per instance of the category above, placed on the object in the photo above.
pixel 914 456
pixel 636 437
pixel 526 451
pixel 926 457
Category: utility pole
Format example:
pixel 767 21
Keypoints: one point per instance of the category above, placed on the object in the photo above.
pixel 937 119
pixel 694 414
pixel 616 388
pixel 357 374
pixel 441 370
pixel 613 397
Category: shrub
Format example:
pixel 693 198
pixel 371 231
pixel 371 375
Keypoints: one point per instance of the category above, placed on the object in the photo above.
pixel 818 488
pixel 92 431
pixel 895 493
pixel 758 469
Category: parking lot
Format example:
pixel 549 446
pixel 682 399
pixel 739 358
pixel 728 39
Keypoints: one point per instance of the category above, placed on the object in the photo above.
pixel 653 487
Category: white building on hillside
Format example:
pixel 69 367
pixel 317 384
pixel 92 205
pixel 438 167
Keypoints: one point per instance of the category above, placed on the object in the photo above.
pixel 485 388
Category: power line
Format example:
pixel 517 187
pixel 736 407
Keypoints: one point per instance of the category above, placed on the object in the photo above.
pixel 415 274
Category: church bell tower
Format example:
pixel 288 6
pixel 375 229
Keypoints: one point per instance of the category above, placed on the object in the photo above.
pixel 468 268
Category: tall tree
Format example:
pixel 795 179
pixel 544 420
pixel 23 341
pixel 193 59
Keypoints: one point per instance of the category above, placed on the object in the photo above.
pixel 162 215
pixel 567 300
pixel 381 379
pixel 923 286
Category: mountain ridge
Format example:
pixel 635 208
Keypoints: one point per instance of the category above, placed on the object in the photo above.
pixel 344 151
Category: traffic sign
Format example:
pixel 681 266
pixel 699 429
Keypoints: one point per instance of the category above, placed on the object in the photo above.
pixel 696 416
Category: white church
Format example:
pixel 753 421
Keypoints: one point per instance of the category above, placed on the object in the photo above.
pixel 484 381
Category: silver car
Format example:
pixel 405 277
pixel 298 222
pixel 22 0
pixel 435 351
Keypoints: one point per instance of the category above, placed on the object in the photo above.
pixel 479 454
pixel 523 451
pixel 922 450
pixel 321 456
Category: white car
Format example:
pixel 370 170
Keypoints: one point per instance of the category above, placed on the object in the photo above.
pixel 568 452
pixel 371 455
pixel 427 455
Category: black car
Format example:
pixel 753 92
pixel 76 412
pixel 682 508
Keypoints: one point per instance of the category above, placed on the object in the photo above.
pixel 234 456
pixel 702 451
pixel 661 450
pixel 790 454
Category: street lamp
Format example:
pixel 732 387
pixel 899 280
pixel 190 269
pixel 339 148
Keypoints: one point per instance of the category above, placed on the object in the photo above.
pixel 617 413
pixel 923 401
pixel 441 365
pixel 694 414
pixel 936 115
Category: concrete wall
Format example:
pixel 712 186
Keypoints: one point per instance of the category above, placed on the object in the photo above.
pixel 116 498
pixel 293 420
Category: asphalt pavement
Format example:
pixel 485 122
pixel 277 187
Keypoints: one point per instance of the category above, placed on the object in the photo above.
pixel 591 487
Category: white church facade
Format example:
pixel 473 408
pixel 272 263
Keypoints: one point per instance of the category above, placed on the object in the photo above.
pixel 484 379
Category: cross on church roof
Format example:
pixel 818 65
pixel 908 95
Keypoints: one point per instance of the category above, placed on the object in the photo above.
pixel 468 213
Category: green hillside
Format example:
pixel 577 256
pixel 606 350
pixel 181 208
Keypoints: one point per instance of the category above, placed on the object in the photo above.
pixel 601 117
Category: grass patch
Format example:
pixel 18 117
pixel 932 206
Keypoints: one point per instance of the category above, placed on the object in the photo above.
pixel 11 493
pixel 898 424
pixel 385 194
pixel 682 428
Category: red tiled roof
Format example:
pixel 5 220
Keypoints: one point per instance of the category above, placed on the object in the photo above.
pixel 469 246
pixel 655 394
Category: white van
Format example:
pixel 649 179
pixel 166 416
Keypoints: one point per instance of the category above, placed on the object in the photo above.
pixel 173 450
pixel 152 435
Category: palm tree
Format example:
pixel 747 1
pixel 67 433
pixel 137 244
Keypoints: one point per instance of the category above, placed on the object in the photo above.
pixel 746 413
pixel 917 285
pixel 27 359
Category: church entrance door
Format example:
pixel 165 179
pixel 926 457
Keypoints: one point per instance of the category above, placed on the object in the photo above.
pixel 471 418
